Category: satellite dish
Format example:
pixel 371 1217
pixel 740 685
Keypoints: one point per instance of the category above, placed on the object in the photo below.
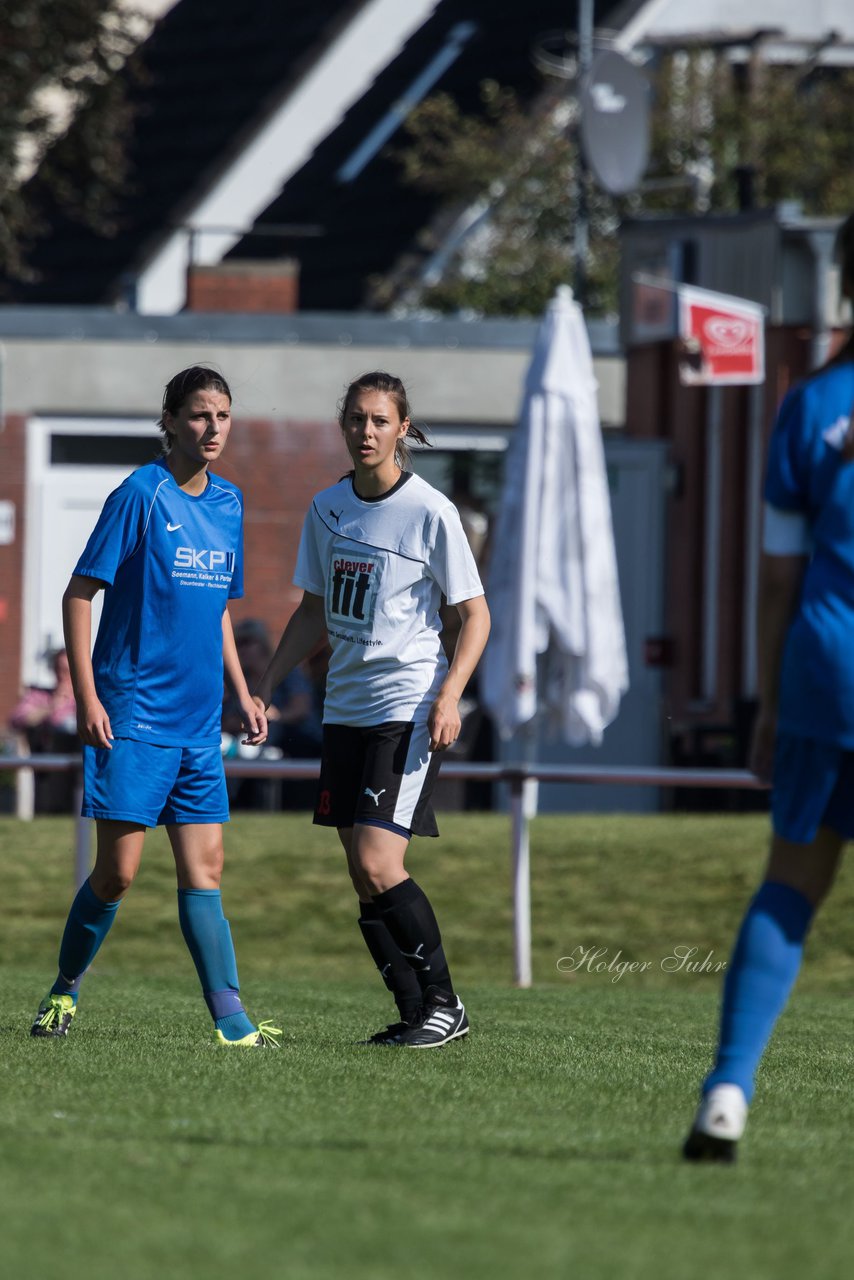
pixel 615 122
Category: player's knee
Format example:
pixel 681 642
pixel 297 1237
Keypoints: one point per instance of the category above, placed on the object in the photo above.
pixel 210 872
pixel 377 873
pixel 809 870
pixel 360 887
pixel 817 887
pixel 112 884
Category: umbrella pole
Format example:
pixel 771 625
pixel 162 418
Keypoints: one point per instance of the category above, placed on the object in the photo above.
pixel 521 882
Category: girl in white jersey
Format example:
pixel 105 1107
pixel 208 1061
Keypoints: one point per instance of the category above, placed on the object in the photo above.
pixel 168 553
pixel 379 551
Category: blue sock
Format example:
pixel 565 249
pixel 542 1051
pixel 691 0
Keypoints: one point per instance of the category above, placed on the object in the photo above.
pixel 208 938
pixel 761 974
pixel 89 921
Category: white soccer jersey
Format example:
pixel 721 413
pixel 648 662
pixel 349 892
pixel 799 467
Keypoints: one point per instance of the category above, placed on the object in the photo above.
pixel 382 566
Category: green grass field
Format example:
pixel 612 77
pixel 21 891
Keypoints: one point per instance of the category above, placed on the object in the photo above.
pixel 546 1145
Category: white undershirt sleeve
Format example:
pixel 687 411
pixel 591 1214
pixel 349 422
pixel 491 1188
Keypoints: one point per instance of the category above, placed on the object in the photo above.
pixel 785 533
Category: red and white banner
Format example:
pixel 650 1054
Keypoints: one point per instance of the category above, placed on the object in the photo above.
pixel 723 338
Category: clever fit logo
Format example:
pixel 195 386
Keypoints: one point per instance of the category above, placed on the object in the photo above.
pixel 353 586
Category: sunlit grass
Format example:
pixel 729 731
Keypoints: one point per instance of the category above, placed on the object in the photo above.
pixel 544 1146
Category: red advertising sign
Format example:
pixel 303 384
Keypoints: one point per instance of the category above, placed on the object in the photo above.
pixel 723 338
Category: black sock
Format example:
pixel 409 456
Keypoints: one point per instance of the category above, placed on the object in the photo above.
pixel 409 918
pixel 394 970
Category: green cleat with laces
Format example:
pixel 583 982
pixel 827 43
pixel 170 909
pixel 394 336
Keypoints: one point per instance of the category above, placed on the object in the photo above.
pixel 266 1037
pixel 54 1016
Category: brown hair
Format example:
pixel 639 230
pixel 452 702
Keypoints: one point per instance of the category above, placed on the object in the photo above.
pixel 391 386
pixel 182 386
pixel 843 252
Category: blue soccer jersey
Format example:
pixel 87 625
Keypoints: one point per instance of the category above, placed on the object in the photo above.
pixel 808 474
pixel 170 561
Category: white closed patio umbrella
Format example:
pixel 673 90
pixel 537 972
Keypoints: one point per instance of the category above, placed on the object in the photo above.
pixel 557 649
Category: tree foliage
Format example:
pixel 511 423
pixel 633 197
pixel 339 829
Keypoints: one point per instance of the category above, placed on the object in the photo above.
pixel 790 127
pixel 512 175
pixel 64 55
pixel 506 180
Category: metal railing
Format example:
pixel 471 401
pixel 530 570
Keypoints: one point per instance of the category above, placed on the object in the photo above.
pixel 518 777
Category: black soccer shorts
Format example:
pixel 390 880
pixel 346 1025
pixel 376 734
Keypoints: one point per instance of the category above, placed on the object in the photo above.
pixel 382 775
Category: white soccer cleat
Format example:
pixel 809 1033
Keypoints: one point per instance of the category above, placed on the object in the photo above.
pixel 718 1125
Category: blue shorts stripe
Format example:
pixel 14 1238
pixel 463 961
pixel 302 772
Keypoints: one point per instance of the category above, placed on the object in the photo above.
pixel 385 826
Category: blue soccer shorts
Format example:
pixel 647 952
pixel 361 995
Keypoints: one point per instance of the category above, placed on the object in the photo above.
pixel 152 786
pixel 813 786
pixel 381 775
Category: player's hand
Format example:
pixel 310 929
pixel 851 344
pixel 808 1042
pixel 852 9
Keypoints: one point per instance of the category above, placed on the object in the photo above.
pixel 761 759
pixel 443 722
pixel 93 725
pixel 254 722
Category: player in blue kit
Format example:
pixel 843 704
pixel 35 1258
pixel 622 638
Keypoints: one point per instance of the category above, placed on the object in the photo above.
pixel 168 553
pixel 379 550
pixel 804 736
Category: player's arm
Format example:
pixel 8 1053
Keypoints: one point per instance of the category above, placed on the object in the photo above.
pixel 780 579
pixel 305 631
pixel 254 717
pixel 444 719
pixel 93 723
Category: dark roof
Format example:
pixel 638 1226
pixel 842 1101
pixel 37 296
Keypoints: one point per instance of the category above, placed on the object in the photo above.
pixel 214 69
pixel 207 73
pixel 624 12
pixel 370 221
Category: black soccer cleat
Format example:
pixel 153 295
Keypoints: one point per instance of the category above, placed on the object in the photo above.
pixel 443 1018
pixel 391 1035
pixel 702 1147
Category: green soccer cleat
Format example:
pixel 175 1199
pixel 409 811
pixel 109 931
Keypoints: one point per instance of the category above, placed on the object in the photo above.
pixel 266 1037
pixel 54 1016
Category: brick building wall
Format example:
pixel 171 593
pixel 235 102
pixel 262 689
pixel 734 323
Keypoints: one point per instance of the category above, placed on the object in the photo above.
pixel 658 407
pixel 279 465
pixel 12 489
pixel 244 288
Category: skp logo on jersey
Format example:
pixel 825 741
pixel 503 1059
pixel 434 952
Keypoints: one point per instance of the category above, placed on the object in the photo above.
pixel 206 560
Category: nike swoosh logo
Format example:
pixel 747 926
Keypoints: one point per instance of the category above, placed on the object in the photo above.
pixel 170 528
pixel 836 434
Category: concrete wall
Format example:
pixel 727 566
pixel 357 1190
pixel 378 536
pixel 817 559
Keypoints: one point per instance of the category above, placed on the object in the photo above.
pixel 82 369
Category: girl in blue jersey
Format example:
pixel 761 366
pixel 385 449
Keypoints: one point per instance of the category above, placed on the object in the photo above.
pixel 379 550
pixel 804 736
pixel 168 553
